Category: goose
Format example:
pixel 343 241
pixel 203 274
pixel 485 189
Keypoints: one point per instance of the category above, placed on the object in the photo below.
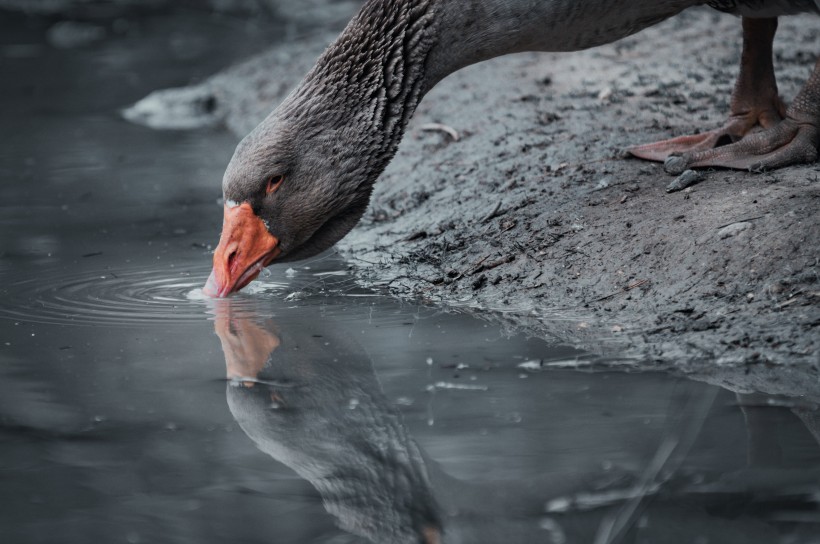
pixel 302 179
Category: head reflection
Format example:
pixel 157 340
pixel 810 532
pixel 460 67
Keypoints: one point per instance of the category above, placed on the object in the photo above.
pixel 310 400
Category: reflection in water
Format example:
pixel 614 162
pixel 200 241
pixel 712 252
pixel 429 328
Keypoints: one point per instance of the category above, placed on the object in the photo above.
pixel 310 399
pixel 312 402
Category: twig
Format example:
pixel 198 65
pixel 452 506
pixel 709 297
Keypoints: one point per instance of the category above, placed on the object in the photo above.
pixel 493 264
pixel 475 266
pixel 441 128
pixel 670 454
pixel 493 213
pixel 626 289
pixel 741 221
pixel 409 277
pixel 364 260
pixel 574 251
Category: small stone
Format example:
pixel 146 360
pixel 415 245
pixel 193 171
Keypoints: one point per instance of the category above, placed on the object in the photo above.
pixel 683 181
pixel 479 282
pixel 176 109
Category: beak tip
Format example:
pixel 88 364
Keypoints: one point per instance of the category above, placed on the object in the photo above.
pixel 212 287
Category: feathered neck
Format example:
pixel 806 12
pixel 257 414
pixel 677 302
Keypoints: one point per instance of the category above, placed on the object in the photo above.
pixel 372 77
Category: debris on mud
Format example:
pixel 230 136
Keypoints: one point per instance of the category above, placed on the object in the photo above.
pixel 686 179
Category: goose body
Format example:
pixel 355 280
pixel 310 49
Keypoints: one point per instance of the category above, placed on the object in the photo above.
pixel 302 179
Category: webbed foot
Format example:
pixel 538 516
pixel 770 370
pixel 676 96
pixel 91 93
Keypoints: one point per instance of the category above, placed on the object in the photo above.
pixel 759 134
pixel 788 142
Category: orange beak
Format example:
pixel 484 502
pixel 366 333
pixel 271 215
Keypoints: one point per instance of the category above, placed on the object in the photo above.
pixel 245 248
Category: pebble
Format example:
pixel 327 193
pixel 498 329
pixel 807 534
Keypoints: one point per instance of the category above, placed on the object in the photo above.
pixel 176 109
pixel 686 179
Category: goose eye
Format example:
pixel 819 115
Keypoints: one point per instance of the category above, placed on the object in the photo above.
pixel 273 184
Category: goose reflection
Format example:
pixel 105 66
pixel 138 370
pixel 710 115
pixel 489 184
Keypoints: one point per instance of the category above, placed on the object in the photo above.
pixel 310 399
pixel 312 402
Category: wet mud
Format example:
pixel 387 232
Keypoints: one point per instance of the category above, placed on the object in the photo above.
pixel 531 216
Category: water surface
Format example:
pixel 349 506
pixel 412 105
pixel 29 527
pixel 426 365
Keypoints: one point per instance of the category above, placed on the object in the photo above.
pixel 309 410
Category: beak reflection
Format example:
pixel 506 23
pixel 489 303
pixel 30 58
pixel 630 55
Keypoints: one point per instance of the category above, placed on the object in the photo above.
pixel 247 344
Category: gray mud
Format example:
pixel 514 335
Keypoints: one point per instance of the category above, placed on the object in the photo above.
pixel 533 214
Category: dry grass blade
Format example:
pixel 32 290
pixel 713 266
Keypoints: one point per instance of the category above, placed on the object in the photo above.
pixel 671 452
pixel 433 127
pixel 631 286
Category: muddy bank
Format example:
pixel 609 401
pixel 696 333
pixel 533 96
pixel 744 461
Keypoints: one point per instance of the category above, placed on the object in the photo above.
pixel 531 212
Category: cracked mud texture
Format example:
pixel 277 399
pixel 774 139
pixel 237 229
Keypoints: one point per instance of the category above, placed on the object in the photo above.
pixel 534 218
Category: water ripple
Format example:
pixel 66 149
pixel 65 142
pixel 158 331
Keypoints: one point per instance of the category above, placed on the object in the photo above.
pixel 115 297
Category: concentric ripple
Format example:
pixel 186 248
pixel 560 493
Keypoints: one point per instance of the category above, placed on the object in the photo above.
pixel 114 297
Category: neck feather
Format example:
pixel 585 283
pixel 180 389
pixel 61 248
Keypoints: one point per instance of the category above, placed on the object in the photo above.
pixel 367 84
pixel 371 79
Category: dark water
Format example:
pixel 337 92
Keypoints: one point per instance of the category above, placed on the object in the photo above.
pixel 346 416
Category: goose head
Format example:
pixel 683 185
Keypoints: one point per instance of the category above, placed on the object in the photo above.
pixel 302 179
pixel 294 187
